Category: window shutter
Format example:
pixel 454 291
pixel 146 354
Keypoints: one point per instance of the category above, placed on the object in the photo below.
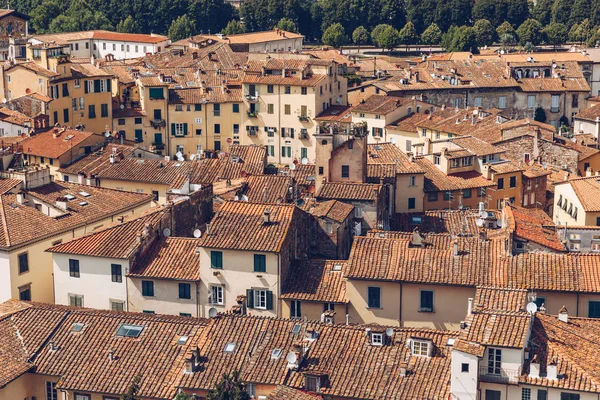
pixel 172 129
pixel 185 129
pixel 250 298
pixel 96 85
pixel 269 300
pixel 108 85
pixel 86 89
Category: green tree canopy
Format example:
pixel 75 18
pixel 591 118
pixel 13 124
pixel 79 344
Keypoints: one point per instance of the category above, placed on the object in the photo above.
pixel 376 32
pixel 80 16
pixel 542 11
pixel 211 15
pixel 133 388
pixel 432 35
pixel 484 32
pixel 234 27
pixel 388 38
pixel 129 25
pixel 556 33
pixel 360 36
pixel 230 387
pixel 43 15
pixel 530 31
pixel 561 11
pixel 335 36
pixel 540 115
pixel 464 39
pixel 580 10
pixel 505 28
pixel 287 24
pixel 408 34
pixel 181 28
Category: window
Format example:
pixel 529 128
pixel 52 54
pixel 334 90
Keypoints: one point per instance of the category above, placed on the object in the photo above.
pixel 432 196
pixel 411 203
pixel 260 299
pixel 25 293
pixel 426 304
pixel 555 103
pixel 374 297
pixel 185 291
pixel 525 394
pixel 216 295
pixel 235 107
pixel 81 103
pixel 216 110
pixel 156 93
pixel 148 288
pixel 502 102
pixel 139 135
pixel 155 195
pixel 513 182
pixel 477 102
pixel 23 263
pixel 287 109
pixel 304 90
pixel 464 367
pixel 51 393
pixel 377 339
pixel 467 193
pixel 117 305
pixel 295 309
pixel 74 268
pixel 313 383
pixel 436 159
pixel 288 90
pixel 270 89
pixel 75 300
pixel 345 171
pixel 260 263
pixel 569 396
pixel 575 101
pixel 420 348
pixel 542 395
pixel 412 180
pixel 127 330
pixel 493 395
pixel 500 183
pixel 217 145
pixel 104 110
pixel 494 361
pixel 377 132
pixel 216 259
pixel 91 111
pixel 217 129
pixel 594 309
pixel 448 196
pixel 286 151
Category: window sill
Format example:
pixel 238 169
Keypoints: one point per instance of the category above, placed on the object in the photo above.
pixel 374 308
pixel 426 310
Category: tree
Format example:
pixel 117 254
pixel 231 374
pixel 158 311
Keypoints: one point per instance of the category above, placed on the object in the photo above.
pixel 517 11
pixel 484 32
pixel 561 11
pixel 234 27
pixel 133 388
pixel 505 28
pixel 580 10
pixel 376 32
pixel 507 40
pixel 540 115
pixel 334 36
pixel 594 37
pixel 542 11
pixel 182 396
pixel 389 38
pixel 129 25
pixel 530 31
pixel 360 36
pixel 556 34
pixel 421 12
pixel 181 28
pixel 495 11
pixel 448 37
pixel 464 40
pixel 432 35
pixel 229 388
pixel 43 14
pixel 80 16
pixel 286 24
pixel 408 34
pixel 211 15
pixel 580 32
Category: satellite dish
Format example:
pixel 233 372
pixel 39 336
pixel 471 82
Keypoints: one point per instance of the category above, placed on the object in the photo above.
pixel 197 233
pixel 304 161
pixel 389 332
pixel 393 140
pixel 107 134
pixel 244 198
pixel 212 312
pixel 300 202
pixel 122 106
pixel 193 156
pixel 291 357
pixel 4 100
pixel 531 308
pixel 292 166
pixel 166 232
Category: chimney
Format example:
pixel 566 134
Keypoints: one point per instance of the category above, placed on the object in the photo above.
pixel 111 355
pixel 597 127
pixel 563 315
pixel 589 172
pixel 417 76
pixel 469 306
pixel 455 248
pixel 61 203
pixel 534 367
pixel 208 229
pixel 267 216
pixel 112 158
pixel 139 238
pixel 474 117
pixel 552 370
pixel 21 197
pixel 403 368
pixel 81 179
pixel 52 346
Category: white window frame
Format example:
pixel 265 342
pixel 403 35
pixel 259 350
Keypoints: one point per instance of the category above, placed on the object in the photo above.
pixel 502 102
pixel 420 348
pixel 179 129
pixel 260 298
pixel 531 101
pixel 294 314
pixel 412 180
pixel 113 302
pixel 51 391
pixel 216 295
pixel 77 83
pixel 377 339
pixel 77 298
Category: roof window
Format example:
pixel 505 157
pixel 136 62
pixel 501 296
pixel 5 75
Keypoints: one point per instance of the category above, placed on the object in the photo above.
pixel 127 330
pixel 276 354
pixel 229 348
pixel 78 327
pixel 182 340
pixel 296 329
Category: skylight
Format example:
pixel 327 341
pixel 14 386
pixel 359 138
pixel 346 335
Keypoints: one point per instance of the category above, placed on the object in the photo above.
pixel 182 340
pixel 276 354
pixel 296 329
pixel 83 203
pixel 127 330
pixel 229 348
pixel 337 267
pixel 85 194
pixel 78 327
pixel 69 197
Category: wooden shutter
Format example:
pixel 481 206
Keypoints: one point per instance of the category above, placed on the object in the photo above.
pixel 250 298
pixel 269 300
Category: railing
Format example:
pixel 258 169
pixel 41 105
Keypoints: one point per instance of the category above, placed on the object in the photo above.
pixel 252 114
pixel 501 375
pixel 158 123
pixel 252 97
pixel 303 118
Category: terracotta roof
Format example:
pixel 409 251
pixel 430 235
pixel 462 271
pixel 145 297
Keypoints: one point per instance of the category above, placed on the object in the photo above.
pixel 242 160
pixel 23 224
pixel 116 241
pixel 380 104
pixel 535 226
pixel 101 35
pixel 535 171
pixel 504 167
pixel 454 222
pixel 268 188
pixel 587 189
pixel 128 112
pixel 15 117
pixel 35 68
pixel 349 191
pixel 84 70
pixel 200 96
pixel 146 170
pixel 97 161
pixel 8 185
pixel 170 258
pixel 316 280
pixel 589 114
pixel 343 352
pixel 45 145
pixel 258 37
pixel 287 393
pixel 499 299
pixel 329 54
pixel 241 226
pixel 476 146
pixel 437 181
pixel 336 113
pixel 304 174
pixel 332 209
pixel 308 80
pixel 390 154
pixel 497 328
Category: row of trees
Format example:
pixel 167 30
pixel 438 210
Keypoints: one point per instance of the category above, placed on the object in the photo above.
pixel 465 38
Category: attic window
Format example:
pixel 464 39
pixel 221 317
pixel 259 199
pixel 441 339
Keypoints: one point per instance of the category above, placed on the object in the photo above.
pixel 313 383
pixel 69 137
pixel 85 194
pixel 296 329
pixel 377 339
pixel 337 267
pixel 127 330
pixel 83 203
pixel 78 327
pixel 182 340
pixel 450 342
pixel 69 197
pixel 276 354
pixel 229 348
pixel 420 347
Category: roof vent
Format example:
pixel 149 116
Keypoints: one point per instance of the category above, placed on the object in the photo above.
pixel 267 216
pixel 534 367
pixel 552 370
pixel 563 315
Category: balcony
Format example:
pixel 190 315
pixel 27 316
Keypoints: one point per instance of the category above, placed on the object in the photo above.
pixel 158 146
pixel 303 118
pixel 252 132
pixel 504 375
pixel 252 114
pixel 252 97
pixel 158 123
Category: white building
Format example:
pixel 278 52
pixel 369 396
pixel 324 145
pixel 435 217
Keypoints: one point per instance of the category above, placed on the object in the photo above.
pixel 101 43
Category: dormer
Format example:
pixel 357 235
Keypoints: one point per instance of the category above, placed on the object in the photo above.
pixel 421 347
pixel 314 381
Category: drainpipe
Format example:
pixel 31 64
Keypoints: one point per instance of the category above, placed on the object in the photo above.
pixel 400 308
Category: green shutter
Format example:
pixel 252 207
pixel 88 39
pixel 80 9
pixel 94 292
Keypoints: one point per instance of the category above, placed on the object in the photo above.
pixel 96 85
pixel 185 129
pixel 250 298
pixel 85 87
pixel 173 129
pixel 269 300
pixel 108 84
